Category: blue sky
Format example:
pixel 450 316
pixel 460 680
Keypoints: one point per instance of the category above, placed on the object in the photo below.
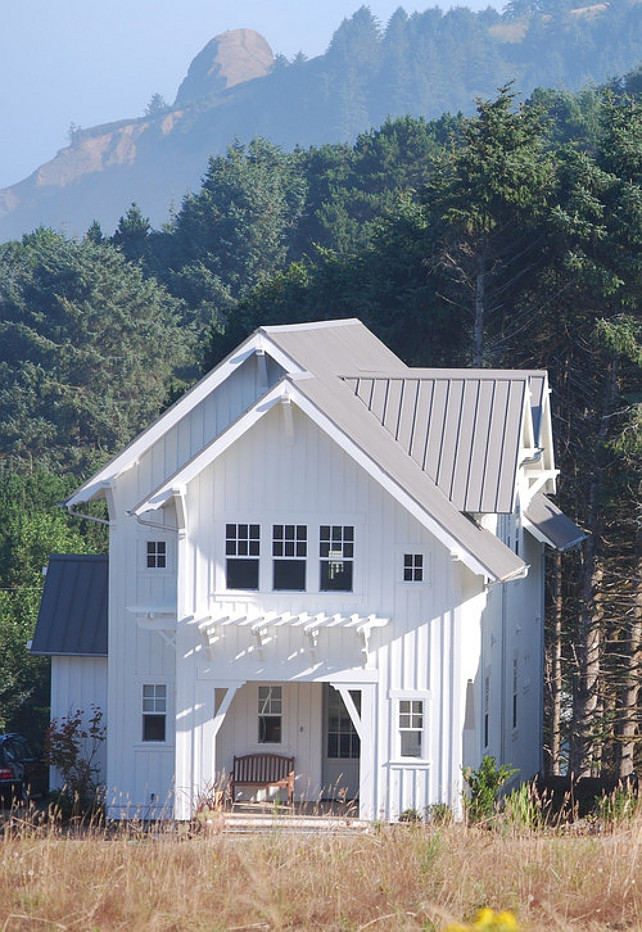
pixel 93 61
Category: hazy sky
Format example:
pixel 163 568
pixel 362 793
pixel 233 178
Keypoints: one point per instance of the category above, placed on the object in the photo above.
pixel 94 61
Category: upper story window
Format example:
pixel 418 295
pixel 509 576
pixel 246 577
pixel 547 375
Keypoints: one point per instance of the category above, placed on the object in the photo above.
pixel 156 554
pixel 242 550
pixel 336 556
pixel 289 552
pixel 413 567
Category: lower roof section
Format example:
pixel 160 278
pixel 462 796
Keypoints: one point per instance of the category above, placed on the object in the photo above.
pixel 72 620
pixel 551 526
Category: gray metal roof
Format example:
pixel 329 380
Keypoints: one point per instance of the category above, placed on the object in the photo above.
pixel 461 426
pixel 73 612
pixel 335 347
pixel 551 526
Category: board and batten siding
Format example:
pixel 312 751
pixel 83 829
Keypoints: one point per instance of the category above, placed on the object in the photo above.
pixel 84 678
pixel 312 482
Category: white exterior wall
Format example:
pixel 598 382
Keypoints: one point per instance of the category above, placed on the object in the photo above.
pixel 84 678
pixel 442 637
pixel 426 651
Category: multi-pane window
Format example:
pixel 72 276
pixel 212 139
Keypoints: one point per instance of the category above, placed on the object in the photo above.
pixel 242 546
pixel 289 552
pixel 270 714
pixel 343 740
pixel 336 552
pixel 154 712
pixel 411 727
pixel 413 567
pixel 156 554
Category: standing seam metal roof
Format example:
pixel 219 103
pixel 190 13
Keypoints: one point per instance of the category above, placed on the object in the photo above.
pixel 462 427
pixel 72 619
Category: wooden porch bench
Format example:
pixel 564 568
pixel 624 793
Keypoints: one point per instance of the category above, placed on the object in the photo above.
pixel 263 771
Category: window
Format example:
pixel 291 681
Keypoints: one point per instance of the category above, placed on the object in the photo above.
pixel 289 552
pixel 336 551
pixel 156 554
pixel 411 727
pixel 242 546
pixel 343 740
pixel 413 567
pixel 514 692
pixel 270 714
pixel 154 712
pixel 486 710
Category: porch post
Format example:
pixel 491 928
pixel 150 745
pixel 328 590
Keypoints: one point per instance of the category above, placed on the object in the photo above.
pixel 365 726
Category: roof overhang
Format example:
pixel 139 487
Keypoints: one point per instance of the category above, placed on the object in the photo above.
pixel 551 526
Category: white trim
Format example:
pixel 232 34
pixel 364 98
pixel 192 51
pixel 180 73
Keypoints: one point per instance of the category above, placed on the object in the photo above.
pixel 130 456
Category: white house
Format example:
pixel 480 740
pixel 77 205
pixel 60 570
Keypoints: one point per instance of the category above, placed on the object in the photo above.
pixel 323 553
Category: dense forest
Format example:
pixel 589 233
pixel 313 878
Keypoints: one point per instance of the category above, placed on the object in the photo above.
pixel 511 238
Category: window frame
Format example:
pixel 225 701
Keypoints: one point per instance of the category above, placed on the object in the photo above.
pixel 298 557
pixel 347 543
pixel 235 543
pixel 423 696
pixel 270 713
pixel 414 562
pixel 157 712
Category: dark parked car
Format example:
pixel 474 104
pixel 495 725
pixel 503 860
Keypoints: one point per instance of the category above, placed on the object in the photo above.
pixel 22 772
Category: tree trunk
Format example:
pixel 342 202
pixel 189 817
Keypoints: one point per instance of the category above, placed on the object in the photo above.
pixel 630 692
pixel 480 308
pixel 584 748
pixel 555 649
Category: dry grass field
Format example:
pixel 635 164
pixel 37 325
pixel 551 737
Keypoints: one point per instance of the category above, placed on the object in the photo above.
pixel 402 877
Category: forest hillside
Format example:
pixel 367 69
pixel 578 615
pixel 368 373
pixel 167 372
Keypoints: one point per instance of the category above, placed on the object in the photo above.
pixel 421 64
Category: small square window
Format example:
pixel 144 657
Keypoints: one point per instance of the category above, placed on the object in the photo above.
pixel 413 567
pixel 156 554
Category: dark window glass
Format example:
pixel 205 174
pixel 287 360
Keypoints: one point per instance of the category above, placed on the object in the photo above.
pixel 289 574
pixel 343 740
pixel 153 727
pixel 242 574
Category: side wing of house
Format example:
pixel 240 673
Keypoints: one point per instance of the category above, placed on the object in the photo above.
pixel 72 630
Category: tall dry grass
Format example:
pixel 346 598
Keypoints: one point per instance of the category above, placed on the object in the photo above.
pixel 403 877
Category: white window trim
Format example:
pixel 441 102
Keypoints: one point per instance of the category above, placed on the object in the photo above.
pixel 413 548
pixel 154 744
pixel 170 555
pixel 413 695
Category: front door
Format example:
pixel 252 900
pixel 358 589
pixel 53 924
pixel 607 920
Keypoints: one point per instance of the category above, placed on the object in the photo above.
pixel 340 746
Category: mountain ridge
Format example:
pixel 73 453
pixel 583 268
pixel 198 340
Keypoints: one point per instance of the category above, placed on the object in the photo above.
pixel 422 64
